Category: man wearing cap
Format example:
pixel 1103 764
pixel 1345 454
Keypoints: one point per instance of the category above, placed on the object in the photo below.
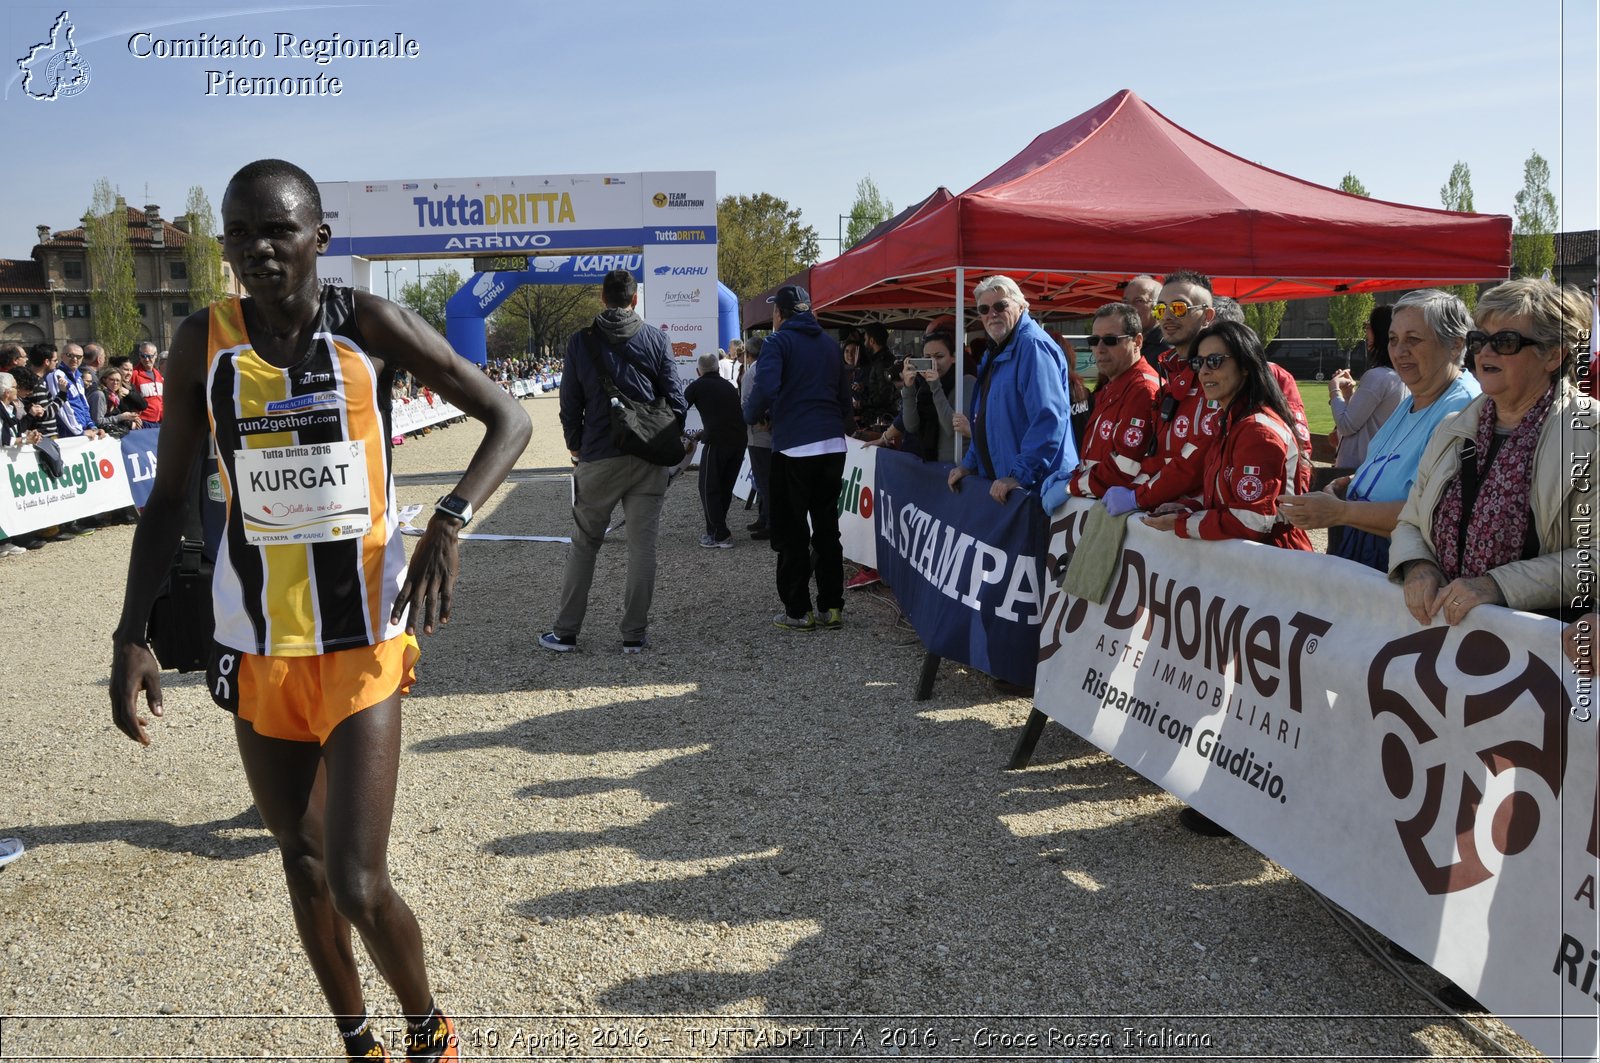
pixel 802 385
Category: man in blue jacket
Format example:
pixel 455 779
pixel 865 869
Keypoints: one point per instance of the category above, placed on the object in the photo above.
pixel 639 359
pixel 801 383
pixel 1021 423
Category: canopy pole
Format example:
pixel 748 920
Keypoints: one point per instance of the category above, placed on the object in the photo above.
pixel 961 352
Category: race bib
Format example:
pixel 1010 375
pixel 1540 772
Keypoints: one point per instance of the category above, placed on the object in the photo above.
pixel 315 493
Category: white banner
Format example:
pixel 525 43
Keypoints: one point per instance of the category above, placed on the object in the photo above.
pixel 412 415
pixel 1439 782
pixel 858 502
pixel 93 480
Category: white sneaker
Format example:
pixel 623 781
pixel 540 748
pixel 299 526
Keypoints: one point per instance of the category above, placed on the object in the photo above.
pixel 8 548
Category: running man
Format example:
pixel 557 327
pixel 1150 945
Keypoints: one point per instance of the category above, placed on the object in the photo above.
pixel 316 614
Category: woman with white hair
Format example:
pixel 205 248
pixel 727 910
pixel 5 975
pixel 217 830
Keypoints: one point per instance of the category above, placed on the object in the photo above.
pixel 1427 347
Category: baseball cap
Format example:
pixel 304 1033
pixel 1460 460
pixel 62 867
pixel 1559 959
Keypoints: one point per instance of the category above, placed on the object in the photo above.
pixel 791 298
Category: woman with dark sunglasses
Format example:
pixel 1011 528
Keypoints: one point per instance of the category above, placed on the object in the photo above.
pixel 1257 456
pixel 1505 491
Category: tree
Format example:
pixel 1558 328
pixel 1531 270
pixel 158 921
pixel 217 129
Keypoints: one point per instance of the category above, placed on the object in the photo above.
pixel 428 296
pixel 760 241
pixel 869 209
pixel 1348 314
pixel 201 252
pixel 537 319
pixel 1457 195
pixel 113 309
pixel 1265 318
pixel 1533 245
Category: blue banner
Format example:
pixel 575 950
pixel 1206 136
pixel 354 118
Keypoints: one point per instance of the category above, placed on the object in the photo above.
pixel 967 570
pixel 139 458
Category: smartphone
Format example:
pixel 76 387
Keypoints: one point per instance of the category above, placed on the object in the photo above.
pixel 920 365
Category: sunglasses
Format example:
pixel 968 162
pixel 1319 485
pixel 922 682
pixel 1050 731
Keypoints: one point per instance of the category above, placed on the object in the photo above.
pixel 1177 308
pixel 1506 341
pixel 1210 361
pixel 1110 339
pixel 999 306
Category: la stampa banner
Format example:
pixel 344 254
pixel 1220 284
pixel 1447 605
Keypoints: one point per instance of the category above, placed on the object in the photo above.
pixel 1439 782
pixel 967 570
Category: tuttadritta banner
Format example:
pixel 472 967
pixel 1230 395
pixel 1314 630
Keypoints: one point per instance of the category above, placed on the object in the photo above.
pixel 1439 782
pixel 93 480
pixel 967 570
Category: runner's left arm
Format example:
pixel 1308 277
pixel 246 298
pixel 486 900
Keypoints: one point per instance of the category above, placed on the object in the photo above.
pixel 406 341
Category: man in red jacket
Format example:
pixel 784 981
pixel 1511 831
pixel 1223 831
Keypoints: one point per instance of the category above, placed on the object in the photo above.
pixel 146 379
pixel 1185 423
pixel 1119 430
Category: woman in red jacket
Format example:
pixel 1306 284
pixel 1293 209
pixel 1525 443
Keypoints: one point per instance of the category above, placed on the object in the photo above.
pixel 1258 457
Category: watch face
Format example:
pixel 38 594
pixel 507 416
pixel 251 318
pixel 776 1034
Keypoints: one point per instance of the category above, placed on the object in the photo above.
pixel 455 504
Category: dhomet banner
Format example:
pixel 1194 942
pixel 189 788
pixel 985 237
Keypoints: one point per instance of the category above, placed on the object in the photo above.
pixel 93 480
pixel 967 570
pixel 1439 782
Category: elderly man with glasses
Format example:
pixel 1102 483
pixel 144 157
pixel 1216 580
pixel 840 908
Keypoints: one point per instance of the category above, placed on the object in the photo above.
pixel 1186 423
pixel 1020 424
pixel 1142 293
pixel 1118 435
pixel 147 380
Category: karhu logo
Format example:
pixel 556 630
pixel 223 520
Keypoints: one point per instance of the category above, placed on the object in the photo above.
pixel 1423 697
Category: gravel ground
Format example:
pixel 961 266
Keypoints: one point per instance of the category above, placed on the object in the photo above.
pixel 750 825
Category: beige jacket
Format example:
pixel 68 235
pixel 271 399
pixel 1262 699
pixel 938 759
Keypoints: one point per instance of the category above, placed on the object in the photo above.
pixel 1563 504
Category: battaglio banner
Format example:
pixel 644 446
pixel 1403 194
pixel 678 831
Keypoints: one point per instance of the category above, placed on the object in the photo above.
pixel 966 569
pixel 1439 782
pixel 92 479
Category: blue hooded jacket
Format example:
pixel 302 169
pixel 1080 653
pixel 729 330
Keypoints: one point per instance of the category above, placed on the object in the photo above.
pixel 1027 418
pixel 802 383
pixel 642 370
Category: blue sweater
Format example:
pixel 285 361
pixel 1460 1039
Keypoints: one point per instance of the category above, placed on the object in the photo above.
pixel 1027 418
pixel 802 383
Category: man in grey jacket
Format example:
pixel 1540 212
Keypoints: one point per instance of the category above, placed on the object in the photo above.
pixel 638 358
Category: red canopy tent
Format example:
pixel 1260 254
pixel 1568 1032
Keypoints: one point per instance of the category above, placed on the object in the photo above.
pixel 1121 190
pixel 756 312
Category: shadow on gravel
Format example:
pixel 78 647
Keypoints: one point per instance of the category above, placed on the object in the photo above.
pixel 236 838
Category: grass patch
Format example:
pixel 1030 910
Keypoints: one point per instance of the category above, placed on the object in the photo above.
pixel 1319 416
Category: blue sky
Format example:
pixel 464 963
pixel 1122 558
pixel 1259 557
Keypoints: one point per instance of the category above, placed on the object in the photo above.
pixel 803 103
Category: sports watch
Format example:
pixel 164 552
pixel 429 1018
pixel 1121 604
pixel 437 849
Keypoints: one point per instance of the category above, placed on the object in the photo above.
pixel 455 506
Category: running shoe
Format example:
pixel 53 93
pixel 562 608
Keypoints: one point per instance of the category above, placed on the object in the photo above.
pixel 707 542
pixel 865 578
pixel 10 849
pixel 560 643
pixel 634 645
pixel 438 1043
pixel 796 623
pixel 9 548
pixel 761 534
pixel 833 619
pixel 723 544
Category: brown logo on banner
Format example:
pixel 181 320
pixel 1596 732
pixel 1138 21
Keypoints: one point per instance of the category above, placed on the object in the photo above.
pixel 1420 700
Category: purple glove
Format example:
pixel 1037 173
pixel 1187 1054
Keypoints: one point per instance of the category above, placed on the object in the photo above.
pixel 1119 500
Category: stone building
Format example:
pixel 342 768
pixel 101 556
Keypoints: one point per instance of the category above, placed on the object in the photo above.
pixel 46 297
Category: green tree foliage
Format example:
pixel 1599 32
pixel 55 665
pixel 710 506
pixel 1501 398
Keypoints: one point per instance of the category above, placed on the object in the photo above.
pixel 1265 318
pixel 201 252
pixel 1457 195
pixel 760 241
pixel 869 209
pixel 428 296
pixel 537 319
pixel 113 308
pixel 1348 314
pixel 1533 244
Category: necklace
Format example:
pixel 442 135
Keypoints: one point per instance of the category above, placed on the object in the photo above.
pixel 1376 466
